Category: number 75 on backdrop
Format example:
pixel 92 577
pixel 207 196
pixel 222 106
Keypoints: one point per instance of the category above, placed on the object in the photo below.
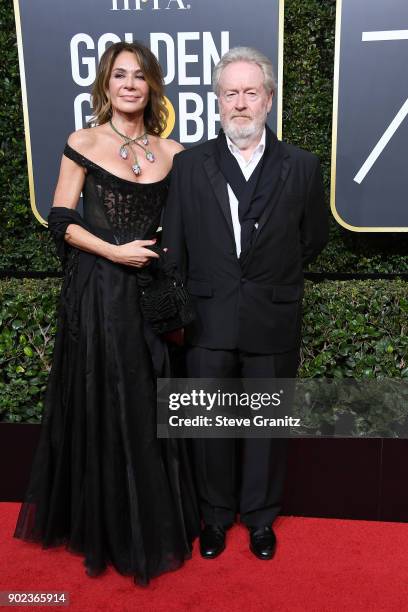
pixel 369 184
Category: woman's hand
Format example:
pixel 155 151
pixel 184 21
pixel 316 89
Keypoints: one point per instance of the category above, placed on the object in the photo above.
pixel 134 253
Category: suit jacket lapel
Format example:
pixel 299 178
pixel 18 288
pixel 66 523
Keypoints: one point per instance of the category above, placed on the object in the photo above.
pixel 285 169
pixel 284 172
pixel 219 186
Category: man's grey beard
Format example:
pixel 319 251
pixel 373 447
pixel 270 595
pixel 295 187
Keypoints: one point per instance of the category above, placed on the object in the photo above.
pixel 241 135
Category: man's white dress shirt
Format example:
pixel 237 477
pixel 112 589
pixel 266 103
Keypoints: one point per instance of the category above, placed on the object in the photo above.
pixel 247 168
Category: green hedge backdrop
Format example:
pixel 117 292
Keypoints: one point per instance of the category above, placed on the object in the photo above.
pixel 351 328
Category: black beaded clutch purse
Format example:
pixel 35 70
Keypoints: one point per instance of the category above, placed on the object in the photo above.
pixel 164 301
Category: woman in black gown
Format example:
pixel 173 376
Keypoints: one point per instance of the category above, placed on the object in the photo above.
pixel 102 483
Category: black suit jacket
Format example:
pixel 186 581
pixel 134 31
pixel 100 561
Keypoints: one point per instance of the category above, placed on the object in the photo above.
pixel 255 307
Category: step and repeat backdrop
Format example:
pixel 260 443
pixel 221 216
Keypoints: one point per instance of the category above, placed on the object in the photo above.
pixel 61 42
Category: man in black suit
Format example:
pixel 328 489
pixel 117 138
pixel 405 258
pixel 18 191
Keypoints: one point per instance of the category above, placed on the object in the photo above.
pixel 245 214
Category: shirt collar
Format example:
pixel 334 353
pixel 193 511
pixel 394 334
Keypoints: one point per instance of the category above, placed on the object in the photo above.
pixel 259 148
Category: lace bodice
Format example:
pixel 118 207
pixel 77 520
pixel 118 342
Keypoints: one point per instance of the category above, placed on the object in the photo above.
pixel 128 209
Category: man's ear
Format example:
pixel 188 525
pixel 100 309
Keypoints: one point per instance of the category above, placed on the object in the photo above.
pixel 269 105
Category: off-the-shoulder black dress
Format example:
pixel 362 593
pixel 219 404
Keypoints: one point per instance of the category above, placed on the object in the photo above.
pixel 102 483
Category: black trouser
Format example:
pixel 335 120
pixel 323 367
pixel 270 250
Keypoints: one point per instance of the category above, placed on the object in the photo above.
pixel 240 476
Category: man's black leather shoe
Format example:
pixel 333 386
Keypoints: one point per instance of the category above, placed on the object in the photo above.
pixel 262 542
pixel 212 541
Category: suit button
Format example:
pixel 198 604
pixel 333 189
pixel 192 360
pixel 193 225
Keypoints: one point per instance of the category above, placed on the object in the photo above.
pixel 243 281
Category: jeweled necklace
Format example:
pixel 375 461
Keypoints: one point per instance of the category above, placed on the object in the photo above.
pixel 123 151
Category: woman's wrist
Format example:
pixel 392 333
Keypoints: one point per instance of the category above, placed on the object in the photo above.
pixel 112 252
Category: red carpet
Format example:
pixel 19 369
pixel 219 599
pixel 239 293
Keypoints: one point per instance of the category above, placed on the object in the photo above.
pixel 320 565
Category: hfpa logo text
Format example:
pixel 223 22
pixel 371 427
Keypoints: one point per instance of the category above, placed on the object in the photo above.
pixel 154 5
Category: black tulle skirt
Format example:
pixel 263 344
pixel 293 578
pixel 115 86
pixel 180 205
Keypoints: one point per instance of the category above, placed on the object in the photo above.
pixel 101 482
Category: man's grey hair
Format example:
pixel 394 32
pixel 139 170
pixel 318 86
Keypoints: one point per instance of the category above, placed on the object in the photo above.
pixel 245 54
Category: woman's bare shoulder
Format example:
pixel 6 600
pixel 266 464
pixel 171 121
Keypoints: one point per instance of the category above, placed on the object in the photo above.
pixel 85 139
pixel 172 146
